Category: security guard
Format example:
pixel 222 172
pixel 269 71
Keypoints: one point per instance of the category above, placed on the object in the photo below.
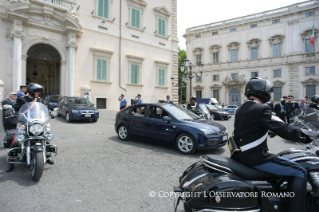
pixel 22 91
pixel 252 122
pixel 291 107
pixel 123 102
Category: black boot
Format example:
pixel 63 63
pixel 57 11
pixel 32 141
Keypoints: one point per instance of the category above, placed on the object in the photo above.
pixel 49 160
pixel 298 186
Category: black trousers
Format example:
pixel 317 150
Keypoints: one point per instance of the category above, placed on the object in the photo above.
pixel 121 107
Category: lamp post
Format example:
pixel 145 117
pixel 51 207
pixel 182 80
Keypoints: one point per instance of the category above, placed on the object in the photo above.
pixel 181 84
pixel 186 69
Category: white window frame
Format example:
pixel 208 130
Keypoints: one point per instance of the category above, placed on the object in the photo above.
pixel 132 59
pixel 231 76
pixel 200 55
pixel 213 58
pixel 310 73
pixel 217 77
pixel 254 72
pixel 273 73
pixel 236 55
pixel 104 55
pixel 163 13
pixel 140 5
pixel 273 49
pixel 161 65
pixel 251 55
pixel 218 91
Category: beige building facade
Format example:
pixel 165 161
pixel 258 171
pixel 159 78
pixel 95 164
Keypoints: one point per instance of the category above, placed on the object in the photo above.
pixel 103 47
pixel 272 44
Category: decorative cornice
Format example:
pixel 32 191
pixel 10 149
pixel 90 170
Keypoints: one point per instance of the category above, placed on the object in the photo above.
pixel 279 83
pixel 233 44
pixel 216 46
pixel 198 87
pixel 253 42
pixel 162 10
pixel 276 37
pixel 140 3
pixel 101 50
pixel 17 1
pixel 293 22
pixel 161 62
pixel 198 49
pixel 134 57
pixel 307 33
pixel 310 81
pixel 215 86
pixel 239 81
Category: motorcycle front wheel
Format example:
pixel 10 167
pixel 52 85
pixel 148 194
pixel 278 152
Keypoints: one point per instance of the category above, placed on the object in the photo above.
pixel 37 165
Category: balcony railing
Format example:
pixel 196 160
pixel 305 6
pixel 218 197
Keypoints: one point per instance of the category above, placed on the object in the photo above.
pixel 61 3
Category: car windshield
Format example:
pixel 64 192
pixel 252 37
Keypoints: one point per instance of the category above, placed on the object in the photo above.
pixel 180 113
pixel 212 107
pixel 55 97
pixel 79 102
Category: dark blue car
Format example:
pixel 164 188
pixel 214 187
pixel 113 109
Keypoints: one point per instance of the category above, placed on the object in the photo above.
pixel 171 125
pixel 77 108
pixel 51 101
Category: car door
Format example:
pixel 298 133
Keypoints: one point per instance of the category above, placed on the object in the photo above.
pixel 158 129
pixel 136 121
pixel 64 106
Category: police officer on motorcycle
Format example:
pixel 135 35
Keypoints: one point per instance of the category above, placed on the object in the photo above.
pixel 192 105
pixel 252 122
pixel 33 95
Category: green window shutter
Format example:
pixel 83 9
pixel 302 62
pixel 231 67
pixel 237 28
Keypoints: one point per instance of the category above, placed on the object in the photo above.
pixel 104 70
pixel 133 19
pixel 161 27
pixel 100 8
pixel 137 74
pixel 98 69
pixel 161 77
pixel 103 8
pixel 138 15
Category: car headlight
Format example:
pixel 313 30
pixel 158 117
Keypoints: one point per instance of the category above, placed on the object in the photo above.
pixel 209 132
pixel 75 111
pixel 315 177
pixel 36 129
pixel 96 111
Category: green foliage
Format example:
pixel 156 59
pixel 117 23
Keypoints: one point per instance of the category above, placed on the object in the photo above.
pixel 181 57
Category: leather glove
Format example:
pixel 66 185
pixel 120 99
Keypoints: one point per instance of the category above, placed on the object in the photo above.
pixel 305 140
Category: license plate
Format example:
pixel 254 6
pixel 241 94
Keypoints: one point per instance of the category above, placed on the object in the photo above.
pixel 87 115
pixel 224 137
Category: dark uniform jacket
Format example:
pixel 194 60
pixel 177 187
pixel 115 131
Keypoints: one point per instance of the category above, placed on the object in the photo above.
pixel 21 101
pixel 278 111
pixel 190 105
pixel 291 107
pixel 252 121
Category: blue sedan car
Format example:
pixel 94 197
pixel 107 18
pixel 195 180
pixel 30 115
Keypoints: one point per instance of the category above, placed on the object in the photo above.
pixel 51 101
pixel 77 108
pixel 171 125
pixel 231 109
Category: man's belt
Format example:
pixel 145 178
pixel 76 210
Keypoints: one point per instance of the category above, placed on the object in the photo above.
pixel 233 147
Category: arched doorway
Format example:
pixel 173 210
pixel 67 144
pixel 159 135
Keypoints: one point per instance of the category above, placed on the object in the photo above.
pixel 43 67
pixel 234 96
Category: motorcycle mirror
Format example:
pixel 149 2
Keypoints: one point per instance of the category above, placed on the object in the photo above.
pixel 5 107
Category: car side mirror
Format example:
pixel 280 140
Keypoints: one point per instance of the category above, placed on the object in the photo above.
pixel 166 119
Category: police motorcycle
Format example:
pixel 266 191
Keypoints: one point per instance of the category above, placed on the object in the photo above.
pixel 34 135
pixel 204 113
pixel 305 120
pixel 218 183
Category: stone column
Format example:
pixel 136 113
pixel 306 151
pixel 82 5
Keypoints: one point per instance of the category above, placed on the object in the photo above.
pixel 63 78
pixel 24 69
pixel 72 45
pixel 17 35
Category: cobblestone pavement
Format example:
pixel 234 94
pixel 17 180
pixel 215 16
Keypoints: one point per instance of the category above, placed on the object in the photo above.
pixel 96 171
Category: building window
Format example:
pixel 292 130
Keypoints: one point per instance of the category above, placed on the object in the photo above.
pixel 253 25
pixel 135 74
pixel 216 94
pixel 198 94
pixel 198 36
pixel 103 8
pixel 233 55
pixel 309 46
pixel 310 70
pixel 254 52
pixel 135 18
pixel 310 14
pixel 277 73
pixel 254 74
pixel 215 33
pixel 276 21
pixel 215 57
pixel 198 78
pixel 101 103
pixel 277 93
pixel 162 27
pixel 101 70
pixel 276 48
pixel 161 77
pixel 234 76
pixel 198 59
pixel 233 29
pixel 310 90
pixel 215 77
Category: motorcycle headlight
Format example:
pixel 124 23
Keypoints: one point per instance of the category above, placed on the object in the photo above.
pixel 75 111
pixel 36 129
pixel 209 132
pixel 50 137
pixel 20 138
pixel 315 177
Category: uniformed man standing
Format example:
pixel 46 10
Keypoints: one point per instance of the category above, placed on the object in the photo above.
pixel 22 91
pixel 291 107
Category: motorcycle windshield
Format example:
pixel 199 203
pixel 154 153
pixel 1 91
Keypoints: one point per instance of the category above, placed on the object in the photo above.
pixel 34 111
pixel 203 108
pixel 296 114
pixel 311 118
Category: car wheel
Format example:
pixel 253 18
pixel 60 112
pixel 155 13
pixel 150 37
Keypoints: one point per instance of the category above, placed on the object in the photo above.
pixel 185 144
pixel 122 132
pixel 67 117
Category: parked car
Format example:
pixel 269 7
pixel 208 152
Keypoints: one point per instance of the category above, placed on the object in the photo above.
pixel 77 108
pixel 51 101
pixel 218 113
pixel 171 125
pixel 231 108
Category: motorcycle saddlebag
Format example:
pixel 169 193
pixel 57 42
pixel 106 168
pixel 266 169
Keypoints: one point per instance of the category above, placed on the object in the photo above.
pixel 9 137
